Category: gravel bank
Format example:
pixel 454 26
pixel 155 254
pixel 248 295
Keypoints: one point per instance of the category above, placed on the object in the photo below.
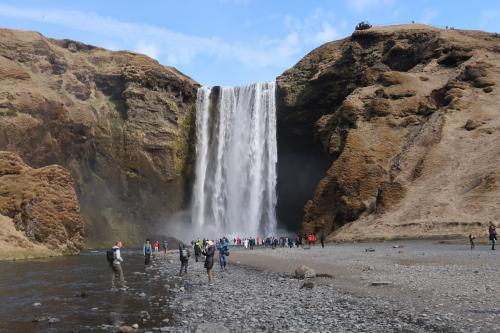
pixel 421 287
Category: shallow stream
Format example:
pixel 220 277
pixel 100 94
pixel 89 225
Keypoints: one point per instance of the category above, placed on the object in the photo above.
pixel 74 294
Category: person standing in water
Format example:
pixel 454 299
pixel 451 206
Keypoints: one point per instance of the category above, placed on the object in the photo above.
pixel 147 249
pixel 116 266
pixel 492 231
pixel 322 240
pixel 209 253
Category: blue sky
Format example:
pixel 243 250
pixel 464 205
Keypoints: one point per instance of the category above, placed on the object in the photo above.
pixel 232 42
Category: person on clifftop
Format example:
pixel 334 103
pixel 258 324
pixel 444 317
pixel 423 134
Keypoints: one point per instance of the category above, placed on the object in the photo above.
pixel 492 231
pixel 147 249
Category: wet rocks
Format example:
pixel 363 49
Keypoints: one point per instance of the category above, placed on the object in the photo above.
pixel 126 329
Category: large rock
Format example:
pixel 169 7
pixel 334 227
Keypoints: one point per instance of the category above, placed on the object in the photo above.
pixel 387 106
pixel 119 121
pixel 304 272
pixel 39 211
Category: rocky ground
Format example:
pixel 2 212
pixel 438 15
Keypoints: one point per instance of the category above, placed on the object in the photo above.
pixel 420 287
pixel 415 287
pixel 435 284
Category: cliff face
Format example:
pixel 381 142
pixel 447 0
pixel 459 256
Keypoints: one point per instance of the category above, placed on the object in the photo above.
pixel 120 122
pixel 39 211
pixel 408 121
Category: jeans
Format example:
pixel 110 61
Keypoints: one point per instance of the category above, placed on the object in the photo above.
pixel 117 269
pixel 493 242
pixel 147 259
pixel 222 261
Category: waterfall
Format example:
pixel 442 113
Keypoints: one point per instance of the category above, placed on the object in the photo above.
pixel 236 154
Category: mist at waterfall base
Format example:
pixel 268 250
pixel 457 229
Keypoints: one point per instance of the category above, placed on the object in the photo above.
pixel 234 189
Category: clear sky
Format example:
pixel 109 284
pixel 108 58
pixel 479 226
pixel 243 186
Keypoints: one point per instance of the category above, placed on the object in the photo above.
pixel 232 42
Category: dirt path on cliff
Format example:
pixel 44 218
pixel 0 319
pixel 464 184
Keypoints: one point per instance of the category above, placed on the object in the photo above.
pixel 448 280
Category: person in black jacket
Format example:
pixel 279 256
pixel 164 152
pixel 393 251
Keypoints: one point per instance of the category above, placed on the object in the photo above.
pixel 209 253
pixel 492 231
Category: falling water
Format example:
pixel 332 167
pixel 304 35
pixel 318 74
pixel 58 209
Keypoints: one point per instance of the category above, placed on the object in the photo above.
pixel 236 155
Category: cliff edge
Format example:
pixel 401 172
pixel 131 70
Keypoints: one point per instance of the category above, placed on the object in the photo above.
pixel 120 122
pixel 408 122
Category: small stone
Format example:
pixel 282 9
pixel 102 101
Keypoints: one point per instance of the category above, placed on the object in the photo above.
pixel 53 320
pixel 135 326
pixel 142 295
pixel 381 283
pixel 308 284
pixel 94 309
pixel 37 304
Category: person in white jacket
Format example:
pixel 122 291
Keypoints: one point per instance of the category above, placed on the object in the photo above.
pixel 117 266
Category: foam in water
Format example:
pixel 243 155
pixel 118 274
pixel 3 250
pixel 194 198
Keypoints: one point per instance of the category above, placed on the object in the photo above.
pixel 236 154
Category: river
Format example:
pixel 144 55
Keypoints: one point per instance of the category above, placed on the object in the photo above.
pixel 75 292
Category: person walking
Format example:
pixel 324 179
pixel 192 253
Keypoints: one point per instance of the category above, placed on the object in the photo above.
pixel 165 247
pixel 197 251
pixel 322 240
pixel 156 246
pixel 471 241
pixel 492 231
pixel 116 266
pixel 223 253
pixel 147 249
pixel 184 255
pixel 209 253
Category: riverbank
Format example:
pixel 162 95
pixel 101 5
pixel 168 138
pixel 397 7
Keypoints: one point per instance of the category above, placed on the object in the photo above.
pixel 442 283
pixel 416 286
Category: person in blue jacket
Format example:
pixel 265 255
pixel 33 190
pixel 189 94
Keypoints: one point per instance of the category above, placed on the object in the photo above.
pixel 223 247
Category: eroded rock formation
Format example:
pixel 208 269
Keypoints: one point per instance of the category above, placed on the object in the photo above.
pixel 408 120
pixel 119 121
pixel 39 211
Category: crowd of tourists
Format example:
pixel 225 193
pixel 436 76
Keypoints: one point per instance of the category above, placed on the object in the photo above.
pixel 209 248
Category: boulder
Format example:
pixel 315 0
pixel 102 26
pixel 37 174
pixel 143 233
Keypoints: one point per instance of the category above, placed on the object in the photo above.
pixel 126 329
pixel 42 210
pixel 304 272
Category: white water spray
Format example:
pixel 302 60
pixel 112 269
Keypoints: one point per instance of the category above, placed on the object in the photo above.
pixel 236 154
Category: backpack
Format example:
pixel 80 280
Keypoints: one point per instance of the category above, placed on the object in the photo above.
pixel 184 253
pixel 110 256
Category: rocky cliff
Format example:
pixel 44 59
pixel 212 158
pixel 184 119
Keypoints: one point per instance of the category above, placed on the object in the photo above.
pixel 408 122
pixel 120 122
pixel 39 211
